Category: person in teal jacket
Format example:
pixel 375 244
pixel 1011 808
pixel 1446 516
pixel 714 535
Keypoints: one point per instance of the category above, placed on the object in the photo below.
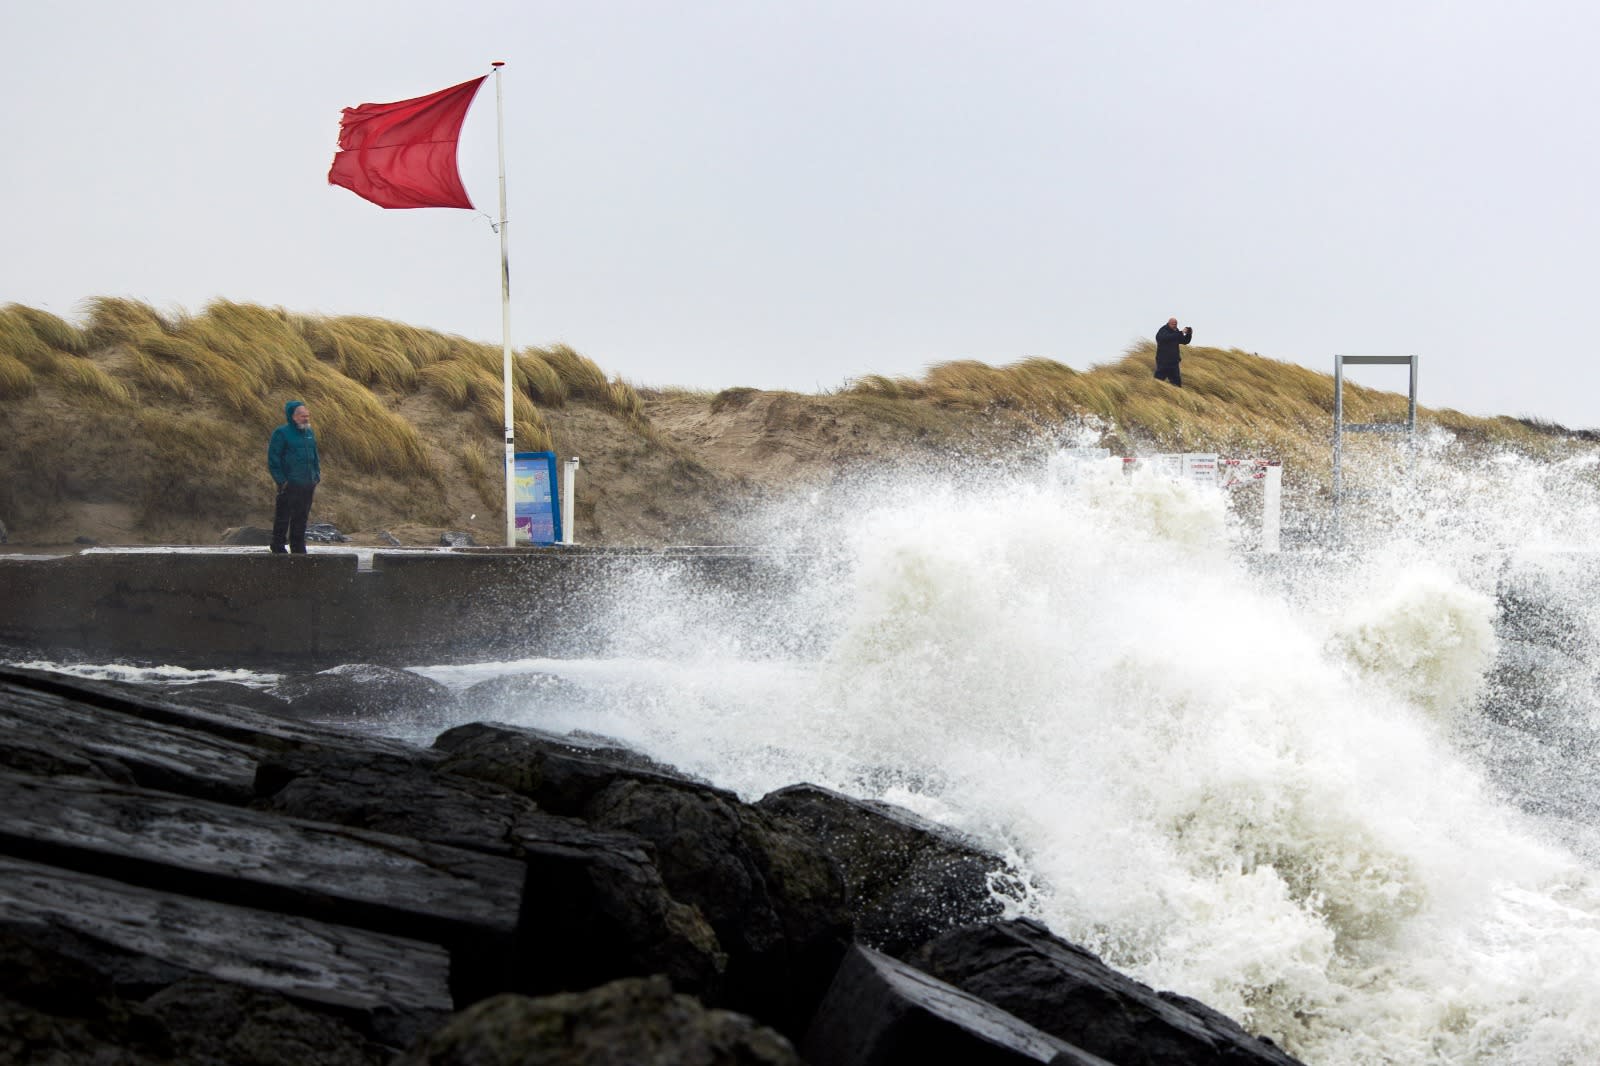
pixel 292 461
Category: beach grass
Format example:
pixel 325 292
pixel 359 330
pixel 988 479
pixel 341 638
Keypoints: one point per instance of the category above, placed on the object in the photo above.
pixel 413 411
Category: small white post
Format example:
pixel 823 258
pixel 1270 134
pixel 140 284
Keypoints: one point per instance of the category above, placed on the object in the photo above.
pixel 1272 508
pixel 569 516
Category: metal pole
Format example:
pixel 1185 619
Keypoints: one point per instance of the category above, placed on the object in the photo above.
pixel 1411 425
pixel 505 317
pixel 569 494
pixel 1338 439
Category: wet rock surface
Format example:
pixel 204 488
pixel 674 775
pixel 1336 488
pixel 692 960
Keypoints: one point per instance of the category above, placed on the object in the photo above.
pixel 364 692
pixel 185 879
pixel 909 879
pixel 1068 992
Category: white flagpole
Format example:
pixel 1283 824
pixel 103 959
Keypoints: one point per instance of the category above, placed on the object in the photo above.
pixel 505 319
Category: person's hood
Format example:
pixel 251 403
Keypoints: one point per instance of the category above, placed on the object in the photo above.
pixel 288 410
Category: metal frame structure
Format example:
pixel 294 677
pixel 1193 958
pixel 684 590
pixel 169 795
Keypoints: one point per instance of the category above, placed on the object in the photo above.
pixel 1340 427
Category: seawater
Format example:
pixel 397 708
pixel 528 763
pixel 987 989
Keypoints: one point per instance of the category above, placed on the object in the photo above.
pixel 1344 794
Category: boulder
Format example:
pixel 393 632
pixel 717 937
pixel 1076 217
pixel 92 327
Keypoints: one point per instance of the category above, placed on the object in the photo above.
pixel 224 694
pixel 1021 967
pixel 389 538
pixel 136 939
pixel 119 703
pixel 391 793
pixel 49 734
pixel 467 901
pixel 882 1012
pixel 219 1022
pixel 519 696
pixel 365 692
pixel 560 772
pixel 4 535
pixel 623 1023
pixel 251 536
pixel 776 903
pixel 55 1008
pixel 455 539
pixel 909 879
pixel 602 908
pixel 602 912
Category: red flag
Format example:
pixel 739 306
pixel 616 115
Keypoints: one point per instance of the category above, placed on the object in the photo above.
pixel 404 154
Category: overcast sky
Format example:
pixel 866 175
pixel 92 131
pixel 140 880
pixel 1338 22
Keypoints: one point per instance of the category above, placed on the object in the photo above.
pixel 712 193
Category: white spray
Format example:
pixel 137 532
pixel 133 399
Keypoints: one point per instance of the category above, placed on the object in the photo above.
pixel 1256 791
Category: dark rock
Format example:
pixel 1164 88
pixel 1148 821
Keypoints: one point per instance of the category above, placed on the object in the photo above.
pixel 909 879
pixel 599 910
pixel 218 1022
pixel 55 1008
pixel 86 541
pixel 562 773
pixel 48 733
pixel 206 883
pixel 364 692
pixel 251 536
pixel 324 533
pixel 1021 967
pixel 137 940
pixel 389 538
pixel 127 734
pixel 394 794
pixel 881 1012
pixel 602 909
pixel 4 535
pixel 454 539
pixel 777 906
pixel 467 901
pixel 519 695
pixel 624 1023
pixel 224 694
pixel 121 701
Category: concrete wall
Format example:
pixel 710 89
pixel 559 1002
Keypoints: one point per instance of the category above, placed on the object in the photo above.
pixel 257 610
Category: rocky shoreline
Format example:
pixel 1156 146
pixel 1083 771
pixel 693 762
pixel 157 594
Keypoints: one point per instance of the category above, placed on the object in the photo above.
pixel 204 876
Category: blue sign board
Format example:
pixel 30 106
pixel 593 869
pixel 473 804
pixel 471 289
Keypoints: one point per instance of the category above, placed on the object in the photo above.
pixel 537 512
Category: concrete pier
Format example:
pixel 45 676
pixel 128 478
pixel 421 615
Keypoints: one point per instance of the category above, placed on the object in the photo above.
pixel 215 609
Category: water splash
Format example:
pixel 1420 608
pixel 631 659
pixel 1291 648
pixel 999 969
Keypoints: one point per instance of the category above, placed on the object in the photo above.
pixel 1349 795
pixel 1271 787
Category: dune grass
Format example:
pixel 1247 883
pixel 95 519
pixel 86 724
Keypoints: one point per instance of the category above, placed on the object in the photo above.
pixel 198 393
pixel 248 359
pixel 1233 402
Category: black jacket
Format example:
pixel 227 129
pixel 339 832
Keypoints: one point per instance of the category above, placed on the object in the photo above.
pixel 1167 341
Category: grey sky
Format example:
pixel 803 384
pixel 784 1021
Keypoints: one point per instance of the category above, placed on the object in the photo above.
pixel 742 192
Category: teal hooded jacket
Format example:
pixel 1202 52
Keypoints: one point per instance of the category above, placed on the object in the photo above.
pixel 292 452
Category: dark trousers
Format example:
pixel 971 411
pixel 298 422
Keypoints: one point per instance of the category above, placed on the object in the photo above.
pixel 1169 372
pixel 289 516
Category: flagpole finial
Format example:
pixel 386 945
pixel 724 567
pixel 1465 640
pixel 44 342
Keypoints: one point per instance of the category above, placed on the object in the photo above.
pixel 497 63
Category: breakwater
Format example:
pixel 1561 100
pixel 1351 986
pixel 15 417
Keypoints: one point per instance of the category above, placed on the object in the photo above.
pixel 206 609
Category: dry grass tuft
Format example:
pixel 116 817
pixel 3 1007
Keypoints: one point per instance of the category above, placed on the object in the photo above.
pixel 114 319
pixel 584 380
pixel 54 331
pixel 16 380
pixel 93 385
pixel 20 343
pixel 371 351
pixel 539 378
pixel 481 464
